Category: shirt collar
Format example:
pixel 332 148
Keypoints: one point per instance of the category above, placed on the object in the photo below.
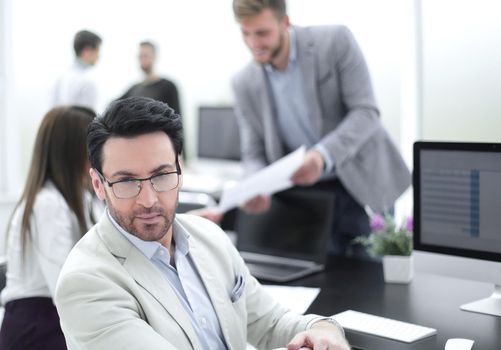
pixel 292 50
pixel 149 248
pixel 80 64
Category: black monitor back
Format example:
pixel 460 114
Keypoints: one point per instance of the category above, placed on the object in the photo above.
pixel 218 133
pixel 297 225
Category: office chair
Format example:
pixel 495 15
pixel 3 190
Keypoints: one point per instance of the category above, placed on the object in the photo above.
pixel 3 271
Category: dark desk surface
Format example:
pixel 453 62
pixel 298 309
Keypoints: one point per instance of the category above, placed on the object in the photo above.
pixel 429 300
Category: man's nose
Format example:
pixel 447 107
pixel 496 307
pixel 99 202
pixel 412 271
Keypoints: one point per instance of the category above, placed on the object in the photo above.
pixel 253 41
pixel 147 197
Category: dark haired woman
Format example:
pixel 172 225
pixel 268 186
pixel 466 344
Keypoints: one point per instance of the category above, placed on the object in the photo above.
pixel 53 212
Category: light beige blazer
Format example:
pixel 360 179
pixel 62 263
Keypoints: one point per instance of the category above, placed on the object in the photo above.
pixel 110 296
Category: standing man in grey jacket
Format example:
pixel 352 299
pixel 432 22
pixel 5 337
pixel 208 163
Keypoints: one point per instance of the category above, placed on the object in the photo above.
pixel 311 86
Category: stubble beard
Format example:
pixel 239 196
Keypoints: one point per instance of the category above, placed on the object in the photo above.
pixel 145 232
pixel 276 51
pixel 147 70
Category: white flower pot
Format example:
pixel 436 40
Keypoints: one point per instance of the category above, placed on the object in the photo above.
pixel 398 268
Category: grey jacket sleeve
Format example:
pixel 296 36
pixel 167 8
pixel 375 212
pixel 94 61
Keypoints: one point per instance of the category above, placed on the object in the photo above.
pixel 354 88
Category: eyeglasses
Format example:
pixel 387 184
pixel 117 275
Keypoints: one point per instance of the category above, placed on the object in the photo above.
pixel 130 188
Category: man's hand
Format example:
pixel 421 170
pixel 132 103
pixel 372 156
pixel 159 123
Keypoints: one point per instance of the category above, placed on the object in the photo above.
pixel 258 204
pixel 311 169
pixel 208 213
pixel 323 335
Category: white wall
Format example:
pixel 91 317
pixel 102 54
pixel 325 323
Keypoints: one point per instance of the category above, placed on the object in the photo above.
pixel 6 207
pixel 461 70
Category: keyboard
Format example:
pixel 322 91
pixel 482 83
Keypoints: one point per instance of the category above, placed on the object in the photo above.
pixel 382 327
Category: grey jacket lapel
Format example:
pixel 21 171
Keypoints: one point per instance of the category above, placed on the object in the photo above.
pixel 146 275
pixel 308 66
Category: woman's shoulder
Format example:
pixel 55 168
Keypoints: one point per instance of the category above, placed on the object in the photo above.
pixel 49 198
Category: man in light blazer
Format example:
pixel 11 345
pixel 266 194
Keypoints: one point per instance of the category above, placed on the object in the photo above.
pixel 311 86
pixel 145 278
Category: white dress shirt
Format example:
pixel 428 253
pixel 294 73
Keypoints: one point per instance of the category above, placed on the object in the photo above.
pixel 54 233
pixel 77 87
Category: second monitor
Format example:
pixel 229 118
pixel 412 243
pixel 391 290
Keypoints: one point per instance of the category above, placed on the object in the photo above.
pixel 457 206
pixel 217 158
pixel 218 133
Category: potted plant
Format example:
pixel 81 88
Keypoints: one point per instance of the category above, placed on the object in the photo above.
pixel 394 243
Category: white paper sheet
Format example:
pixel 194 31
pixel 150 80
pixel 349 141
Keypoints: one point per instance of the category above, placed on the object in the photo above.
pixel 298 299
pixel 273 178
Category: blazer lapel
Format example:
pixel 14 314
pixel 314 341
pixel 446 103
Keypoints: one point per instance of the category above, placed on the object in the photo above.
pixel 147 276
pixel 306 60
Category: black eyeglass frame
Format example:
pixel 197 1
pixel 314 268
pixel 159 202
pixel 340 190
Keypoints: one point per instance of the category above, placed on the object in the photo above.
pixel 140 181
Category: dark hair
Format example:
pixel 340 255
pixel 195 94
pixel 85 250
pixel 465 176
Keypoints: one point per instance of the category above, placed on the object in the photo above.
pixel 149 44
pixel 85 38
pixel 248 8
pixel 58 155
pixel 131 117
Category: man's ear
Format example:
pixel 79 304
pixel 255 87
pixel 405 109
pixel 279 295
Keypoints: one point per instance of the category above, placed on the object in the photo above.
pixel 286 21
pixel 97 184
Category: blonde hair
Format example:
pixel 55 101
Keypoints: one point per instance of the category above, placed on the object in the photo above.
pixel 248 8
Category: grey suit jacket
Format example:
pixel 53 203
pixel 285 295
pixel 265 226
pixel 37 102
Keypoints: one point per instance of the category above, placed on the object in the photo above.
pixel 110 296
pixel 342 109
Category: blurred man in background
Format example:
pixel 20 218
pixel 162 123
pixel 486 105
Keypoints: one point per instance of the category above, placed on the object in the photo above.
pixel 77 85
pixel 153 86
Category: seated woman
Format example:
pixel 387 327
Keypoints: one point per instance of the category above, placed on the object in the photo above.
pixel 54 211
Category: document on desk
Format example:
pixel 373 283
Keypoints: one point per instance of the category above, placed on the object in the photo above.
pixel 297 299
pixel 273 178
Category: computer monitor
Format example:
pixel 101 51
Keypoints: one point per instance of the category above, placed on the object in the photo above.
pixel 297 225
pixel 218 133
pixel 457 214
pixel 217 160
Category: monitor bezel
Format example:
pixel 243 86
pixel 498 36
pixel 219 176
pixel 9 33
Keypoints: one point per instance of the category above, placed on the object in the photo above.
pixel 416 177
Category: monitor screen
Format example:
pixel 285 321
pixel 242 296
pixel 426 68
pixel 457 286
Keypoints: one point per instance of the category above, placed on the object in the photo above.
pixel 457 212
pixel 297 225
pixel 457 192
pixel 218 133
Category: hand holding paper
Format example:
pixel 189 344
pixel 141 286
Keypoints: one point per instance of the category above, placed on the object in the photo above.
pixel 273 178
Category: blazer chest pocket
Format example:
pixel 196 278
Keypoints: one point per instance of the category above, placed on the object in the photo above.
pixel 238 289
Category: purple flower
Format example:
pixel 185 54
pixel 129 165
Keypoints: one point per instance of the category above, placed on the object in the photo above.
pixel 409 224
pixel 377 222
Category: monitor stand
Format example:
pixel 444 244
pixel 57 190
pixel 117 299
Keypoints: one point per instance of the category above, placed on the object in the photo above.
pixel 489 306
